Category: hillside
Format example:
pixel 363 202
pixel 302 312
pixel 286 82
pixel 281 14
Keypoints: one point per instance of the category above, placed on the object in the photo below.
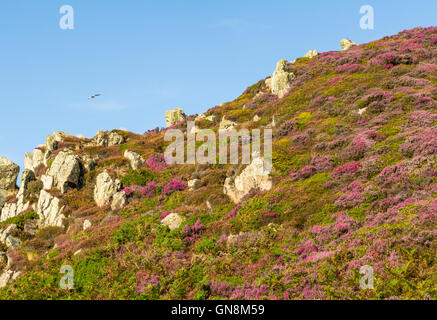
pixel 354 183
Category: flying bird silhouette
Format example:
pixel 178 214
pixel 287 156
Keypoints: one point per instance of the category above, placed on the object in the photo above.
pixel 94 95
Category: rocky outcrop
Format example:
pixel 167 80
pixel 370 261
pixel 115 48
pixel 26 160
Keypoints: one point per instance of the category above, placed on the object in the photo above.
pixel 47 182
pixel 33 159
pixel 108 139
pixel 227 124
pixel 49 209
pixel 253 176
pixel 8 174
pixel 26 177
pixel 2 200
pixel 136 161
pixel 311 54
pixel 105 189
pixel 119 201
pixel 86 224
pixel 8 276
pixel 346 44
pixel 174 116
pixel 281 79
pixel 51 143
pixel 173 221
pixel 194 184
pixel 65 171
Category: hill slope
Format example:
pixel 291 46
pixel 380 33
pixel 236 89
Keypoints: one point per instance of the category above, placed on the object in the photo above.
pixel 354 183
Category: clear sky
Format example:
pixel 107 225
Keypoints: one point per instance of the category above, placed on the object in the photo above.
pixel 148 56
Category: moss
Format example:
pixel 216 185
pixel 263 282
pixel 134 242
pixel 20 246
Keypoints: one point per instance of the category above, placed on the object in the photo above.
pixel 20 219
pixel 137 177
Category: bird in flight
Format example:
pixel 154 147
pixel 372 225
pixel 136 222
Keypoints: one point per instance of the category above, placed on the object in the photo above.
pixel 94 95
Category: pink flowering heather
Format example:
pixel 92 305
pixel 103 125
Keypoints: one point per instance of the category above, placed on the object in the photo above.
pixel 334 80
pixel 349 68
pixel 234 211
pixel 192 233
pixel 348 169
pixel 156 162
pixel 349 200
pixel 173 186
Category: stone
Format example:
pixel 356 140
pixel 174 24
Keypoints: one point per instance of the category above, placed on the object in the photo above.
pixel 254 175
pixel 174 116
pixel 311 54
pixel 8 174
pixel 33 159
pixel 105 189
pixel 108 139
pixel 115 138
pixel 346 44
pixel 49 210
pixel 119 201
pixel 2 200
pixel 65 171
pixel 51 143
pixel 47 182
pixel 136 161
pixel 361 111
pixel 89 163
pixel 26 177
pixel 227 124
pixel 14 208
pixel 86 224
pixel 31 227
pixel 173 221
pixel 4 234
pixel 7 277
pixel 281 79
pixel 13 242
pixel 193 184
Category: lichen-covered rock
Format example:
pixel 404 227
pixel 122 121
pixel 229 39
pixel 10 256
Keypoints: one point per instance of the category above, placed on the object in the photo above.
pixel 8 174
pixel 119 201
pixel 8 276
pixel 281 79
pixel 254 175
pixel 51 143
pixel 105 189
pixel 26 177
pixel 174 116
pixel 227 124
pixel 65 171
pixel 115 138
pixel 194 184
pixel 14 208
pixel 173 221
pixel 311 54
pixel 33 159
pixel 47 182
pixel 108 139
pixel 347 44
pixel 4 234
pixel 49 210
pixel 136 161
pixel 86 224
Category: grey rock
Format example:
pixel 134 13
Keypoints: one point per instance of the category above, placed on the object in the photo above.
pixel 281 79
pixel 49 209
pixel 174 116
pixel 119 201
pixel 173 221
pixel 136 161
pixel 65 171
pixel 8 174
pixel 105 189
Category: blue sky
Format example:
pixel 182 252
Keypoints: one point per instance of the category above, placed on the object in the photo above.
pixel 149 56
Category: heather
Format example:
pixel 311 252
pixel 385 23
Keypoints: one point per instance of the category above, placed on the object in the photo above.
pixel 354 183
